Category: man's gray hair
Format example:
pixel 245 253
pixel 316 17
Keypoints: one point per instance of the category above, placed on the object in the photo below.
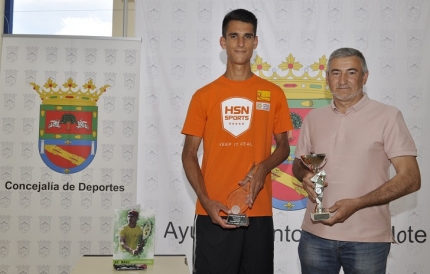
pixel 347 52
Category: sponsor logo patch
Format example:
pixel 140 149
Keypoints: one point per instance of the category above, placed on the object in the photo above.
pixel 263 106
pixel 263 95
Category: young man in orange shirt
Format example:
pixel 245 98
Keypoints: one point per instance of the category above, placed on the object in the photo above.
pixel 237 116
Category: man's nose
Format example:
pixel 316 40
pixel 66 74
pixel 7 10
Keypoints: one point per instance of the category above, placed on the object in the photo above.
pixel 241 41
pixel 343 79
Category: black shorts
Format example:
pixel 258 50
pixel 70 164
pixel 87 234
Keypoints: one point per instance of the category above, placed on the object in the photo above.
pixel 232 251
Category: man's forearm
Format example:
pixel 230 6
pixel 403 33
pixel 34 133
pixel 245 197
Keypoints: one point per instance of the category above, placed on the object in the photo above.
pixel 406 181
pixel 191 166
pixel 126 247
pixel 279 155
pixel 195 176
pixel 300 170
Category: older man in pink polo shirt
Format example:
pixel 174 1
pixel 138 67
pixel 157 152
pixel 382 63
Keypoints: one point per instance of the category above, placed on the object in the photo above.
pixel 361 139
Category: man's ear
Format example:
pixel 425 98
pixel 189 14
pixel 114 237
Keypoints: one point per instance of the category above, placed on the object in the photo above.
pixel 255 42
pixel 222 42
pixel 365 78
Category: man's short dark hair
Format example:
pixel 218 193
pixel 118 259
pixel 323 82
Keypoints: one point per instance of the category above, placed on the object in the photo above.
pixel 239 15
pixel 347 52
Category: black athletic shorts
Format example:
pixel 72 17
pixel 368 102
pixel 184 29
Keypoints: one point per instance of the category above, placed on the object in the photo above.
pixel 243 250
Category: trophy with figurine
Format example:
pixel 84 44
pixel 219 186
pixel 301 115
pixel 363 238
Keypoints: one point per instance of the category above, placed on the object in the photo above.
pixel 316 162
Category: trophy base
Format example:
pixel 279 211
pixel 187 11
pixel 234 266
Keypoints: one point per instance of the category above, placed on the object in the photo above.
pixel 237 219
pixel 320 216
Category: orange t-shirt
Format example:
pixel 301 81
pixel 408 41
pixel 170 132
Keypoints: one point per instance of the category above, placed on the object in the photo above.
pixel 237 120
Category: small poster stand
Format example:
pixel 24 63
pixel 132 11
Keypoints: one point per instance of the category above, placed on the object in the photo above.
pixel 133 240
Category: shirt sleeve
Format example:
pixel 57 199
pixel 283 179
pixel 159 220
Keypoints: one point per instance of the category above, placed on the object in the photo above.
pixel 397 138
pixel 282 121
pixel 122 232
pixel 303 145
pixel 195 120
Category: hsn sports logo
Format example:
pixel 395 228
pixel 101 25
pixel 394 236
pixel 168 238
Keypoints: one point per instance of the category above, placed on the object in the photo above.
pixel 303 92
pixel 236 115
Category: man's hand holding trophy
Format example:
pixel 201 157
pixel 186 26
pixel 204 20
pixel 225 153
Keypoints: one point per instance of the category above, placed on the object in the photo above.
pixel 316 162
pixel 237 201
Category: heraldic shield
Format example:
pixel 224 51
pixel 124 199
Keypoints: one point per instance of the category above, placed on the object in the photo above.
pixel 67 137
pixel 68 126
pixel 305 89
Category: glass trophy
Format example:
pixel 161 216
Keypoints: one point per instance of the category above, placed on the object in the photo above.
pixel 316 162
pixel 237 201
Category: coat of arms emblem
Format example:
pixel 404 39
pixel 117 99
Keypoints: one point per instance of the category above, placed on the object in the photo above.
pixel 305 89
pixel 68 124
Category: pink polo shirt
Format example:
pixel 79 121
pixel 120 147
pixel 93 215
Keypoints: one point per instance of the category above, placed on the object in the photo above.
pixel 359 145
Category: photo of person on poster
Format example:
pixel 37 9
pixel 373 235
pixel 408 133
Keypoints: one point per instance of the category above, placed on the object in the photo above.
pixel 131 235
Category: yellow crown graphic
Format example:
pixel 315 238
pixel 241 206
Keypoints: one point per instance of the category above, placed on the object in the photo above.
pixel 302 86
pixel 52 94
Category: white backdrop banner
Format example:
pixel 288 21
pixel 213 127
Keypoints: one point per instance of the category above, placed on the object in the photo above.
pixel 181 53
pixel 68 147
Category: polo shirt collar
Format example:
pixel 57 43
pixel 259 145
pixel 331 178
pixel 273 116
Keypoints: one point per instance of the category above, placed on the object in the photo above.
pixel 359 105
